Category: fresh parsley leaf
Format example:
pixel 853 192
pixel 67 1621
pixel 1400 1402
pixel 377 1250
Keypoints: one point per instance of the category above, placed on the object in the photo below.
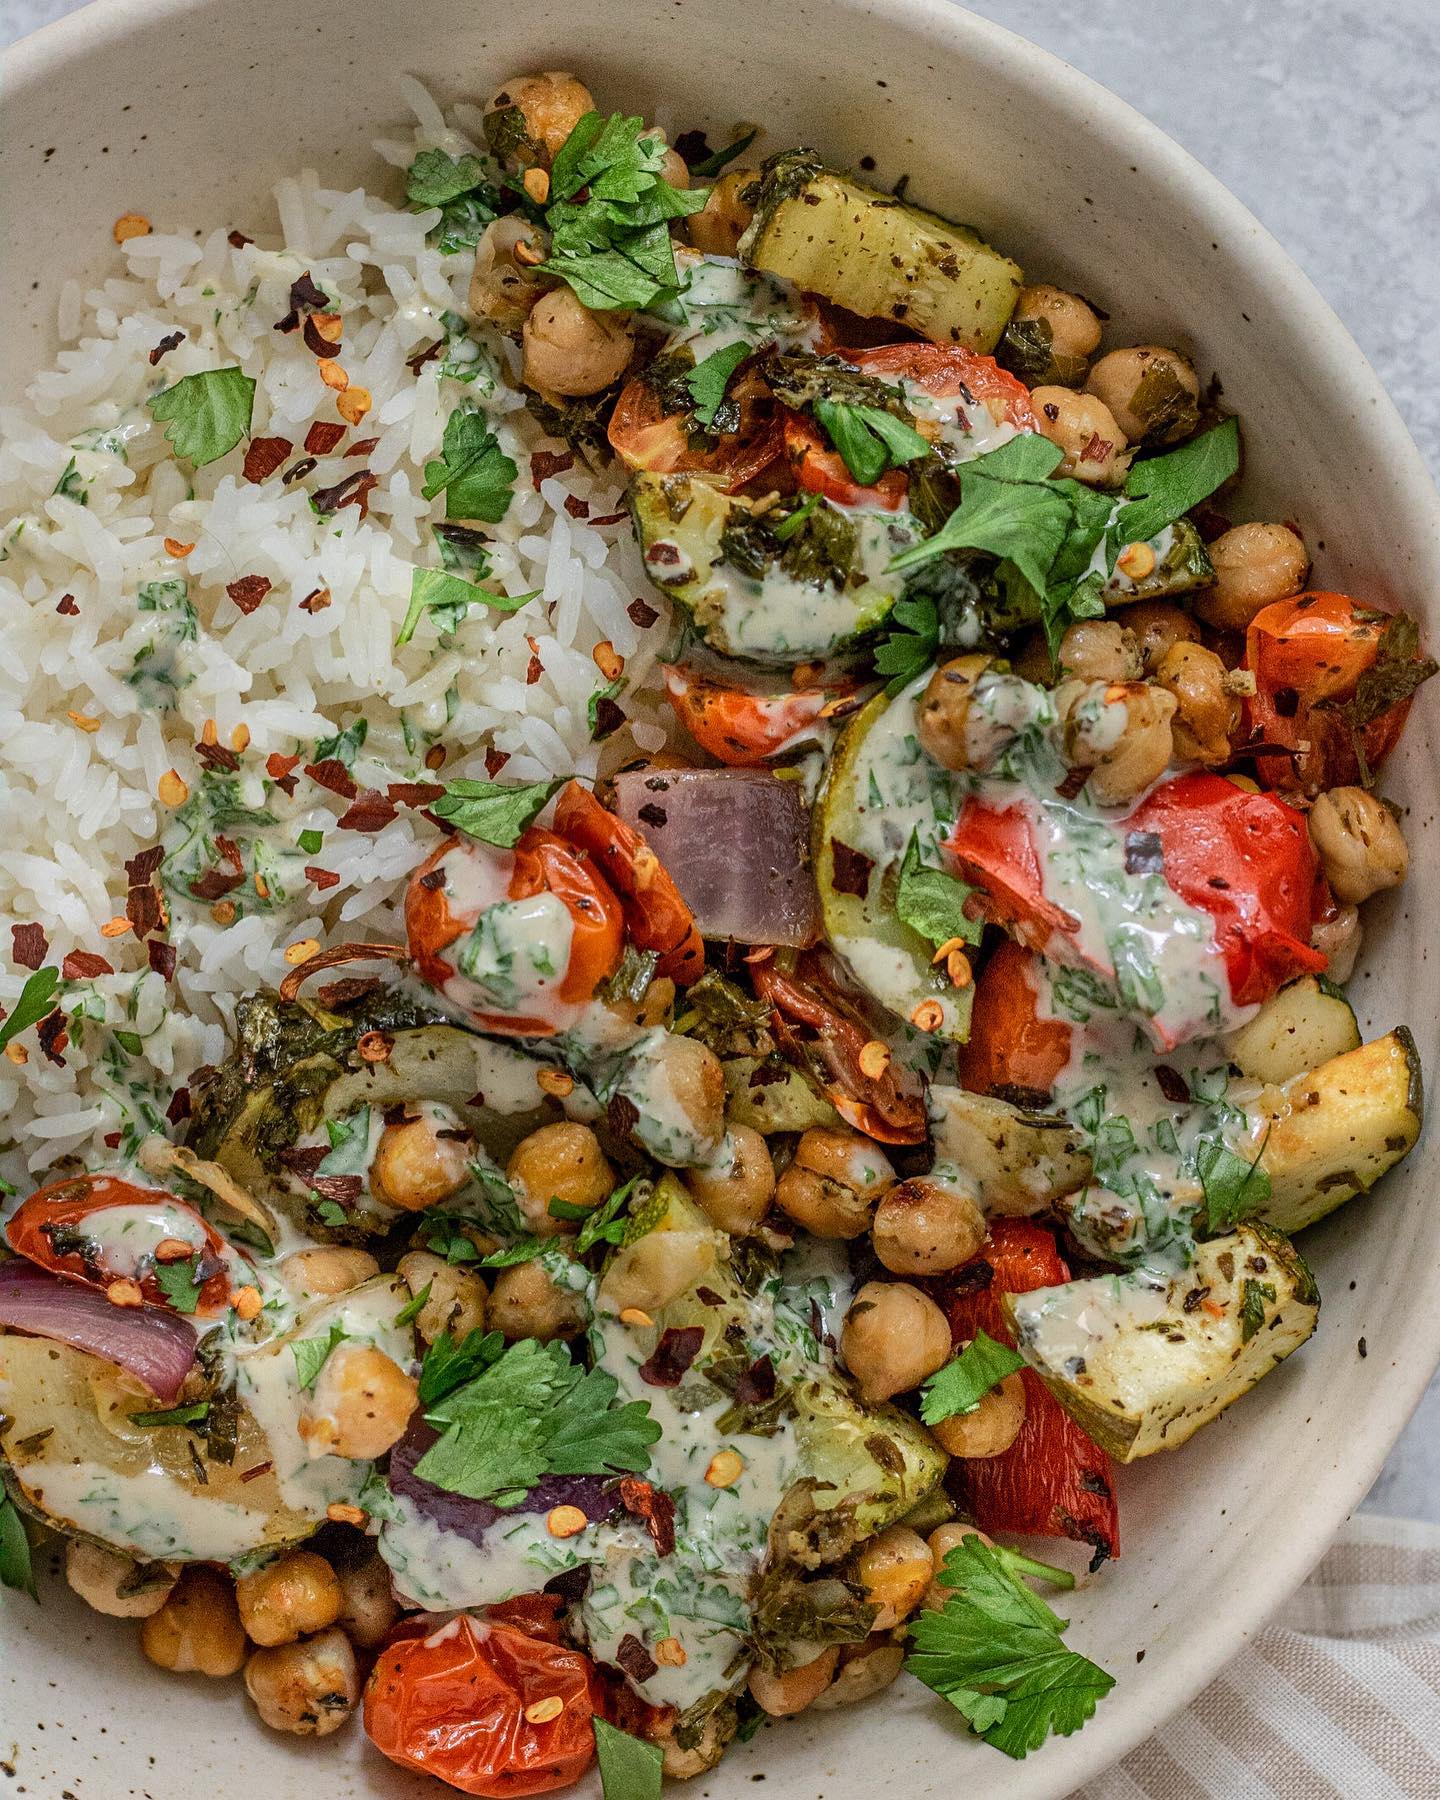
pixel 310 841
pixel 346 745
pixel 463 551
pixel 995 1652
pixel 16 1569
pixel 1254 1295
pixel 1025 522
pixel 966 1379
pixel 1162 489
pixel 413 1308
pixel 794 522
pixel 708 380
pixel 933 903
pixel 712 165
pixel 605 1225
pixel 435 177
pixel 312 1354
pixel 533 1413
pixel 449 1365
pixel 475 475
pixel 869 439
pixel 447 598
pixel 331 1213
pixel 629 1769
pixel 1234 1189
pixel 525 1250
pixel 566 1209
pixel 173 1415
pixel 37 998
pixel 349 1152
pixel 495 812
pixel 208 414
pixel 610 691
pixel 180 1284
pixel 913 642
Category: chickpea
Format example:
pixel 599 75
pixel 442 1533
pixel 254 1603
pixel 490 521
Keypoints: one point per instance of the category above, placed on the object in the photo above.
pixel 422 1161
pixel 117 1585
pixel 736 1191
pixel 1157 626
pixel 653 1008
pixel 685 1077
pixel 369 1608
pixel 1120 732
pixel 680 1764
pixel 1096 449
pixel 992 1427
pixel 1339 939
pixel 868 1670
pixel 1207 714
pixel 456 1304
pixel 289 1598
pixel 571 350
pixel 719 227
pixel 1255 565
pixel 561 1162
pixel 894 1337
pixel 834 1182
pixel 309 1688
pixel 360 1405
pixel 1151 392
pixel 1074 330
pixel 197 1631
pixel 943 716
pixel 1099 650
pixel 894 1569
pixel 784 1692
pixel 330 1269
pixel 673 168
pixel 1358 839
pixel 927 1227
pixel 551 103
pixel 942 1541
pixel 506 280
pixel 526 1302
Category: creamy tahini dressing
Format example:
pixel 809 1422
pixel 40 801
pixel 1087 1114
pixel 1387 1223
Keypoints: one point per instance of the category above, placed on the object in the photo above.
pixel 146 1510
pixel 439 1569
pixel 725 303
pixel 125 1239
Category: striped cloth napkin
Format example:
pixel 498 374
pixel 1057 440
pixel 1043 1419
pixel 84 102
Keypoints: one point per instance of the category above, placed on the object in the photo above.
pixel 1338 1698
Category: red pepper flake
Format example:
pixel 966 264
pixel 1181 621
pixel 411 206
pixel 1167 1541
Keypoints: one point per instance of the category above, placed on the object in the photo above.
pixel 1072 784
pixel 363 448
pixel 140 869
pixel 298 470
pixel 610 518
pixel 851 869
pixel 331 773
pixel 418 361
pixel 277 766
pixel 435 756
pixel 678 1347
pixel 608 718
pixel 84 965
pixel 304 297
pixel 545 463
pixel 354 490
pixel 641 613
pixel 179 1108
pixel 54 1039
pixel 166 345
pixel 162 957
pixel 217 756
pixel 316 343
pixel 370 811
pixel 322 878
pixel 533 671
pixel 632 1656
pixel 323 436
pixel 248 591
pixel 415 793
pixel 316 600
pixel 255 1471
pixel 432 880
pixel 29 945
pixel 112 1140
pixel 215 884
pixel 1172 1084
pixel 68 607
pixel 1097 449
pixel 305 1161
pixel 756 1385
pixel 237 240
pixel 142 909
pixel 335 994
pixel 644 1501
pixel 344 1190
pixel 576 507
pixel 495 760
pixel 264 457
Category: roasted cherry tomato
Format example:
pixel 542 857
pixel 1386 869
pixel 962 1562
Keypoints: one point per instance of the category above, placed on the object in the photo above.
pixel 460 879
pixel 655 915
pixel 818 1031
pixel 1333 681
pixel 821 470
pixel 470 1705
pixel 103 1230
pixel 1053 1480
pixel 944 371
pixel 1012 1051
pixel 645 436
pixel 737 727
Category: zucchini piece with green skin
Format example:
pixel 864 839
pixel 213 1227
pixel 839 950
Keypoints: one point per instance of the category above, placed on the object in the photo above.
pixel 1334 1131
pixel 885 955
pixel 818 592
pixel 771 1096
pixel 877 256
pixel 1022 1163
pixel 1141 1363
pixel 1306 1024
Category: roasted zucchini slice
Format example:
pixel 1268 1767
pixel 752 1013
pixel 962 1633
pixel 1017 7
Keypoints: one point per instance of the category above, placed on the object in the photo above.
pixel 755 596
pixel 1306 1024
pixel 1022 1162
pixel 877 256
pixel 1141 1363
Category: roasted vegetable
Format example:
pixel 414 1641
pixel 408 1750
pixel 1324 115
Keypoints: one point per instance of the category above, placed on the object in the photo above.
pixel 1141 1363
pixel 1306 1024
pixel 1022 1162
pixel 878 256
pixel 1182 564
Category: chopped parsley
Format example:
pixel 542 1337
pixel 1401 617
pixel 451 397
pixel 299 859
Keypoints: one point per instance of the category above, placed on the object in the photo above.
pixel 180 1283
pixel 912 644
pixel 207 414
pixel 475 475
pixel 16 1569
pixel 1234 1189
pixel 449 1365
pixel 37 999
pixel 312 1354
pixel 447 598
pixel 193 1414
pixel 933 903
pixel 709 166
pixel 413 1307
pixel 1254 1297
pixel 869 439
pixel 458 186
pixel 495 812
pixel 966 1379
pixel 708 380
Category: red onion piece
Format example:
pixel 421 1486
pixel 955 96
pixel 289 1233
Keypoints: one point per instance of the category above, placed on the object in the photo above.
pixel 736 843
pixel 156 1346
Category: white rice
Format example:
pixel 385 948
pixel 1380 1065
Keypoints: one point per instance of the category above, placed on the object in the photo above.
pixel 78 798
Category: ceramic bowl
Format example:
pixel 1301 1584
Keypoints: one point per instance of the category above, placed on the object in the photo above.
pixel 188 110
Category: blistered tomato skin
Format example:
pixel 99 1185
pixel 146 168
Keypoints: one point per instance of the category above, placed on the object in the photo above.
pixel 454 1705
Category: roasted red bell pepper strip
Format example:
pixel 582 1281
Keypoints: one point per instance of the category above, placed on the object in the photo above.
pixel 655 915
pixel 1333 681
pixel 1012 1050
pixel 1053 1481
